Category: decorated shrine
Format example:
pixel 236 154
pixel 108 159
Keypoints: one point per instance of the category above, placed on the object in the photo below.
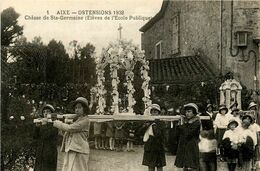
pixel 121 54
pixel 230 92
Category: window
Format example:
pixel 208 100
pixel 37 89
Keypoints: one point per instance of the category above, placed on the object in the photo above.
pixel 175 34
pixel 158 50
pixel 241 38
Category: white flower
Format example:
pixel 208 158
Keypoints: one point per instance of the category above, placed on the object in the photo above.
pixel 109 50
pixel 22 118
pixel 130 55
pixel 120 51
pixel 11 117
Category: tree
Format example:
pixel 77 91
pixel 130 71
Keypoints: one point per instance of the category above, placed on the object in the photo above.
pixel 9 26
pixel 83 64
pixel 57 64
pixel 87 64
pixel 10 30
pixel 30 60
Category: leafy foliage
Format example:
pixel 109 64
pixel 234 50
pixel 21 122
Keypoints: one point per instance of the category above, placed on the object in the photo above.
pixel 9 26
pixel 37 63
pixel 17 143
pixel 38 72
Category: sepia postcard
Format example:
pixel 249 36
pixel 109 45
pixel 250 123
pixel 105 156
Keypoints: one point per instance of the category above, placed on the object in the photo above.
pixel 179 80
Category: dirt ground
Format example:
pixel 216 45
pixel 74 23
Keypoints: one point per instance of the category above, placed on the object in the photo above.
pixel 103 160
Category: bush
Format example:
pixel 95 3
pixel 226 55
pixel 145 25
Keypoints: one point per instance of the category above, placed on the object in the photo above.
pixel 17 142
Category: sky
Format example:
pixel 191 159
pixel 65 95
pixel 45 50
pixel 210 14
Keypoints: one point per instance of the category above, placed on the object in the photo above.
pixel 98 31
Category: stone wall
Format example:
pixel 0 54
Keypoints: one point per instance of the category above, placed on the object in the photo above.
pixel 200 34
pixel 245 18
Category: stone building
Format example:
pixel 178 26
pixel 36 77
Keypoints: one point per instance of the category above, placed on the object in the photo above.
pixel 199 40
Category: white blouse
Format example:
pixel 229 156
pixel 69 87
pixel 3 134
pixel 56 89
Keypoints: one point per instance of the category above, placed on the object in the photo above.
pixel 221 121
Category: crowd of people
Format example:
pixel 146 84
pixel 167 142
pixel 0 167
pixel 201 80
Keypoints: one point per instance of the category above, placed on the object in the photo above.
pixel 228 135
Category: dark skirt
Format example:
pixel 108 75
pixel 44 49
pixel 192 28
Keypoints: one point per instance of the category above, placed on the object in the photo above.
pixel 110 132
pixel 219 135
pixel 208 161
pixel 120 134
pixel 229 152
pixel 154 159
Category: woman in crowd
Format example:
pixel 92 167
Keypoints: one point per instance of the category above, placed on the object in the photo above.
pixel 75 139
pixel 154 154
pixel 46 136
pixel 188 150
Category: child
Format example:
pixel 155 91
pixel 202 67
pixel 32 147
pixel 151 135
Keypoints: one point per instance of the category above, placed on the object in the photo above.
pixel 119 135
pixel 247 143
pixel 207 124
pixel 207 148
pixel 97 135
pixel 103 136
pixel 230 145
pixel 235 116
pixel 110 135
pixel 253 107
pixel 131 136
pixel 188 150
pixel 154 154
pixel 46 135
pixel 220 125
pixel 75 139
pixel 209 110
pixel 232 107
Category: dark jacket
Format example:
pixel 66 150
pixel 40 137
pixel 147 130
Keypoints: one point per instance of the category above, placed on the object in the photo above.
pixel 207 124
pixel 228 151
pixel 154 154
pixel 46 149
pixel 188 149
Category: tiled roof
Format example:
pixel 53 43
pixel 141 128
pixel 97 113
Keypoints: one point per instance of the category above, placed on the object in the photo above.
pixel 180 70
pixel 156 18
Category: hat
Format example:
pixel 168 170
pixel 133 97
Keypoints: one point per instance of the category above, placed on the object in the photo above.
pixel 234 110
pixel 155 106
pixel 250 116
pixel 170 110
pixel 221 107
pixel 208 106
pixel 231 122
pixel 252 104
pixel 48 106
pixel 233 104
pixel 81 100
pixel 192 105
